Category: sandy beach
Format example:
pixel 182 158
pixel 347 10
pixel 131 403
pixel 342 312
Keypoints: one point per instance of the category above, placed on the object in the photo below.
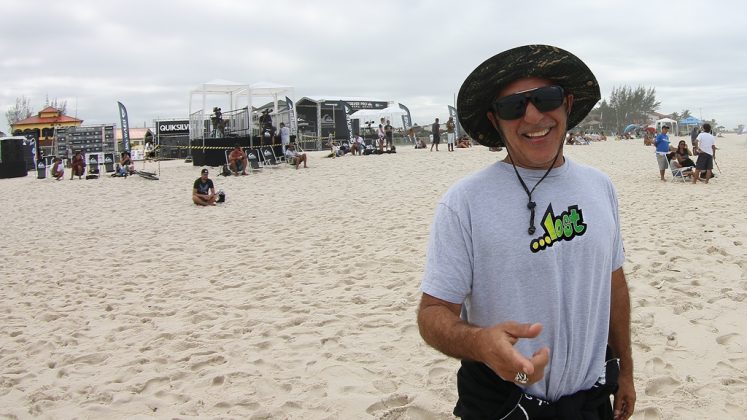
pixel 296 298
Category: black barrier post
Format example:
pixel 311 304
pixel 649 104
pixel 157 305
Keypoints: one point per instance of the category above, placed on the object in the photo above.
pixel 41 169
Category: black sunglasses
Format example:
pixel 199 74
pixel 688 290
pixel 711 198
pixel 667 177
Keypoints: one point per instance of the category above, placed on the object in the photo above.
pixel 514 106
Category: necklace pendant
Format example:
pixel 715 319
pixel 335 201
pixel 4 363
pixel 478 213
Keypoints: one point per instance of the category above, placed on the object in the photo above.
pixel 531 230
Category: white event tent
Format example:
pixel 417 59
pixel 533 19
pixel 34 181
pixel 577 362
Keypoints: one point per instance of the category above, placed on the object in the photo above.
pixel 670 122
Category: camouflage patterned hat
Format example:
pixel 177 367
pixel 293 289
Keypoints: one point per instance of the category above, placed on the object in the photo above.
pixel 480 88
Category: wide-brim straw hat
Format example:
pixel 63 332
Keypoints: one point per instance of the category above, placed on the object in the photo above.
pixel 480 88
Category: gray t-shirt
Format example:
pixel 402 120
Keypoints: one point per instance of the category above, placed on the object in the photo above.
pixel 481 256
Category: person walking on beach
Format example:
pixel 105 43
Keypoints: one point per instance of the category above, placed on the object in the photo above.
pixel 707 147
pixel 536 339
pixel 662 150
pixel 450 134
pixel 284 136
pixel 203 190
pixel 436 130
pixel 411 136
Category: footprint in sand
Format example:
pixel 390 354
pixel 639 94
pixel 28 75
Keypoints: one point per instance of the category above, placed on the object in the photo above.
pixel 389 403
pixel 661 386
pixel 657 366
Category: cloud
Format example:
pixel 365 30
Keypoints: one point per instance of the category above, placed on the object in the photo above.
pixel 150 54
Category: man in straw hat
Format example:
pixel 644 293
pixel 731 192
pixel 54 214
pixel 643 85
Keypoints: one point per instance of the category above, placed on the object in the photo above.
pixel 538 312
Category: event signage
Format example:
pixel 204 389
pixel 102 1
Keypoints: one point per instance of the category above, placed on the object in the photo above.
pixel 125 127
pixel 172 128
pixel 406 119
pixel 292 116
pixel 348 111
pixel 358 105
pixel 457 127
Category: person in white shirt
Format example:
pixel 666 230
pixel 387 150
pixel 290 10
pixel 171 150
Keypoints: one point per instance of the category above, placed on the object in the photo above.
pixel 707 147
pixel 284 136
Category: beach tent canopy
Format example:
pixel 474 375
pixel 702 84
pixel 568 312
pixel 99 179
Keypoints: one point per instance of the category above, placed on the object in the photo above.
pixel 667 121
pixel 690 121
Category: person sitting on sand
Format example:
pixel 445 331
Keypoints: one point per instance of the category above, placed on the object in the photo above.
pixel 203 190
pixel 294 157
pixel 125 166
pixel 238 161
pixel 78 165
pixel 357 145
pixel 463 143
pixel 58 170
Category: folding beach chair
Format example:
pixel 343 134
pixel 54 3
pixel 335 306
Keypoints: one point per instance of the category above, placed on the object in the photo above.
pixel 268 157
pixel 253 157
pixel 679 174
pixel 93 167
pixel 278 151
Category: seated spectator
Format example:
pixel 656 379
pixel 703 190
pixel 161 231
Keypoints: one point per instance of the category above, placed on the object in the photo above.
pixel 58 170
pixel 682 154
pixel 464 142
pixel 420 144
pixel 125 166
pixel 357 145
pixel 677 165
pixel 78 165
pixel 334 149
pixel 344 149
pixel 294 157
pixel 238 161
pixel 203 190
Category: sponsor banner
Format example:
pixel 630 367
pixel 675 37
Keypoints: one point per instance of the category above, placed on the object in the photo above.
pixel 125 127
pixel 406 118
pixel 292 116
pixel 172 127
pixel 358 105
pixel 457 126
pixel 348 110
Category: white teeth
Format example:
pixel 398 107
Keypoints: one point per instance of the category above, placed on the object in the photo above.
pixel 538 133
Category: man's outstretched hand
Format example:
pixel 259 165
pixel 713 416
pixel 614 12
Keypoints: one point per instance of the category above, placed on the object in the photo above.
pixel 496 346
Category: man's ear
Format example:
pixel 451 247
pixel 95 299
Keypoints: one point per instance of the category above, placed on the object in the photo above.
pixel 492 119
pixel 569 101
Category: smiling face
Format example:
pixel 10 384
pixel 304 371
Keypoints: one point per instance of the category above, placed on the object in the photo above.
pixel 535 138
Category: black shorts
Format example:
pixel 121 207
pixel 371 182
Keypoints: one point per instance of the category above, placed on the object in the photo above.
pixel 436 139
pixel 705 162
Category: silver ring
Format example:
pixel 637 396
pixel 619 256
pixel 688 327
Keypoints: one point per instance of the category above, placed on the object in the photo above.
pixel 521 378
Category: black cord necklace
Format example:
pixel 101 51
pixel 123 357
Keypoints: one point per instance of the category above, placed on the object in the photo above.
pixel 531 204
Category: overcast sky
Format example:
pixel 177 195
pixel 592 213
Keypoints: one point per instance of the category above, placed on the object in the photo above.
pixel 150 54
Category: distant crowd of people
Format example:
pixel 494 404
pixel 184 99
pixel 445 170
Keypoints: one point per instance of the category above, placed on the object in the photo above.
pixel 579 137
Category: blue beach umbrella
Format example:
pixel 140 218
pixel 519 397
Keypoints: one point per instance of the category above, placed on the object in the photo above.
pixel 630 128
